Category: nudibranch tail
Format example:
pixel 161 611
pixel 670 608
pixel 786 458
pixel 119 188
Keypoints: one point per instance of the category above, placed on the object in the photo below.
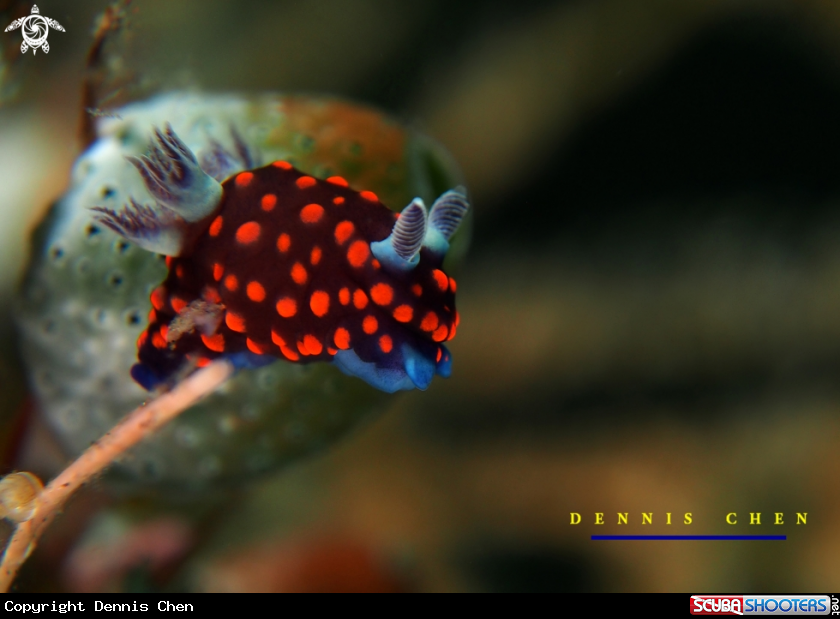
pixel 400 251
pixel 446 215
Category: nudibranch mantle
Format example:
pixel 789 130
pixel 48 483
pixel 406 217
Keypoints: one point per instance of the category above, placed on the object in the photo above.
pixel 272 263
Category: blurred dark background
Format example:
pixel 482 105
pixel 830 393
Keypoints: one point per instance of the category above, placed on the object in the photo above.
pixel 651 303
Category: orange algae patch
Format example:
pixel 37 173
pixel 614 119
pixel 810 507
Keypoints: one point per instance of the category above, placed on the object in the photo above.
pixel 319 303
pixel 215 227
pixel 305 181
pixel 248 232
pixel 235 322
pixel 287 307
pixel 216 343
pixel 382 294
pixel 255 291
pixel 358 253
pixel 343 231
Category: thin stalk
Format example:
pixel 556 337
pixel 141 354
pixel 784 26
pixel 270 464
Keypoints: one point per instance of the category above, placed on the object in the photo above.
pixel 136 426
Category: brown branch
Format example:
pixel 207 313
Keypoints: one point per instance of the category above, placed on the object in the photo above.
pixel 139 424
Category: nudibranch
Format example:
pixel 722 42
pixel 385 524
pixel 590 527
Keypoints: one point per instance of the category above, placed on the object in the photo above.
pixel 271 263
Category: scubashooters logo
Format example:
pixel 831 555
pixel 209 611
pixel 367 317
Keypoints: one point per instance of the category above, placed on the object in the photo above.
pixel 35 28
pixel 790 605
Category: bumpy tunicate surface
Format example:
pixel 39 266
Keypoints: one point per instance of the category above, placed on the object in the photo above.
pixel 85 299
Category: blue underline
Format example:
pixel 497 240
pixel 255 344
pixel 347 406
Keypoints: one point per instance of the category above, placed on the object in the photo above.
pixel 598 538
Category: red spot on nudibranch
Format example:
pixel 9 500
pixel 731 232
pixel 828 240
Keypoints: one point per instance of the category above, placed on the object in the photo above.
pixel 315 255
pixel 218 271
pixel 235 322
pixel 290 354
pixel 311 213
pixel 370 325
pixel 312 344
pixel 342 338
pixel 158 298
pixel 298 273
pixel 382 294
pixel 429 322
pixel 248 233
pixel 440 333
pixel 369 195
pixel 439 355
pixel 142 339
pixel 452 332
pixel 358 253
pixel 319 303
pixel 403 313
pixel 211 295
pixel 452 285
pixel 284 242
pixel 337 180
pixel 268 202
pixel 216 343
pixel 231 283
pixel 254 347
pixel 244 179
pixel 215 227
pixel 441 279
pixel 287 307
pixel 343 231
pixel 255 291
pixel 344 296
pixel 385 344
pixel 177 304
pixel 417 289
pixel 179 271
pixel 305 181
pixel 338 200
pixel 360 299
pixel 158 341
pixel 203 362
pixel 168 261
pixel 283 165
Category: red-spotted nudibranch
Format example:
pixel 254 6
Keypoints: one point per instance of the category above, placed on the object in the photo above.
pixel 274 264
